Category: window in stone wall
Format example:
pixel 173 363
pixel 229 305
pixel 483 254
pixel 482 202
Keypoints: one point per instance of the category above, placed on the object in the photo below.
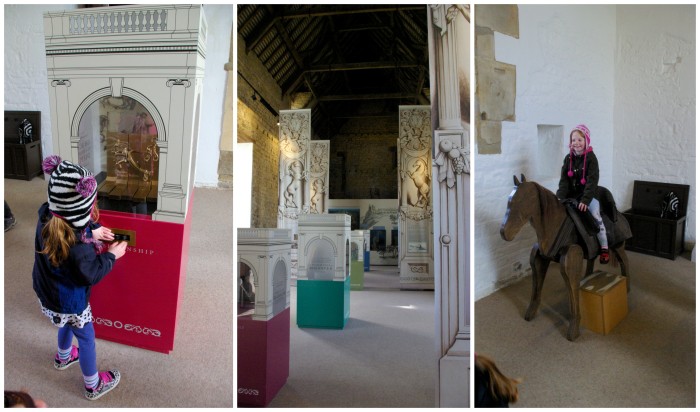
pixel 550 146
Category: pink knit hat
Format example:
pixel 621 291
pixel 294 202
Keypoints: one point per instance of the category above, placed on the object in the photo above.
pixel 587 134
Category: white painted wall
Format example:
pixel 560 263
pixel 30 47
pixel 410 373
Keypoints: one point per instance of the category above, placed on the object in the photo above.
pixel 655 101
pixel 220 23
pixel 564 76
pixel 26 85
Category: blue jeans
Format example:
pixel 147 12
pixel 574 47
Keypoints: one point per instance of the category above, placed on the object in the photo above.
pixel 86 343
pixel 594 208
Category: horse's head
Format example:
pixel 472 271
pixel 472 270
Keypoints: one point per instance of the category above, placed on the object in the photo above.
pixel 519 201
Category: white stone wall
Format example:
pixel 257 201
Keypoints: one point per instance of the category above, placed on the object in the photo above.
pixel 26 85
pixel 655 101
pixel 564 62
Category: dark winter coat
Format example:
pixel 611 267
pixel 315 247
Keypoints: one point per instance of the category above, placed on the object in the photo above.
pixel 571 187
pixel 66 288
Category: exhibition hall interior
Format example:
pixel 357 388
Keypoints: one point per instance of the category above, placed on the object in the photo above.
pixel 387 205
pixel 341 110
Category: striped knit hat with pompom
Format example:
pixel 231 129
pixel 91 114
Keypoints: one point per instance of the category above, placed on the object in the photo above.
pixel 72 191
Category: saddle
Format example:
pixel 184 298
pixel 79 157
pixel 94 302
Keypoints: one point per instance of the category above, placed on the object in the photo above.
pixel 616 226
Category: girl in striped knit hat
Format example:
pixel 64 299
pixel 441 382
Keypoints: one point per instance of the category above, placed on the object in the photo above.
pixel 579 180
pixel 70 257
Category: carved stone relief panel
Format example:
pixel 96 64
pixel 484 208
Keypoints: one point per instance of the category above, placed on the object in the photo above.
pixel 318 176
pixel 415 197
pixel 414 161
pixel 295 132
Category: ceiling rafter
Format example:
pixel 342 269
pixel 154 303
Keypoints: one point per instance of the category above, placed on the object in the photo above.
pixel 351 61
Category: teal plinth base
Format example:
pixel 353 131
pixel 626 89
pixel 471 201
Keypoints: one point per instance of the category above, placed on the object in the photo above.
pixel 323 304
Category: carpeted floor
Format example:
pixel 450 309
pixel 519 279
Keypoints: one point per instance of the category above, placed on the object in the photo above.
pixel 648 360
pixel 198 372
pixel 384 357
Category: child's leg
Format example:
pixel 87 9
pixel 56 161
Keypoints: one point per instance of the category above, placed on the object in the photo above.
pixel 594 207
pixel 88 357
pixel 65 339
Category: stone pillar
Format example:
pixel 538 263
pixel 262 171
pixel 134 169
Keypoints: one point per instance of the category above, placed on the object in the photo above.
pixel 415 198
pixel 318 175
pixel 450 179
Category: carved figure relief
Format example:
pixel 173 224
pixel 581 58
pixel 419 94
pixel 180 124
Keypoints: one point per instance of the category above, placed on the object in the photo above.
pixel 421 179
pixel 414 161
pixel 318 175
pixel 294 133
pixel 293 191
pixel 293 172
pixel 318 193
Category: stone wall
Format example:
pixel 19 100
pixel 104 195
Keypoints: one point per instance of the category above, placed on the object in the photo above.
pixel 363 160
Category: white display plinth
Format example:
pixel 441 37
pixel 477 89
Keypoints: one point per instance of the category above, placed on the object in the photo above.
pixel 267 252
pixel 151 54
pixel 324 247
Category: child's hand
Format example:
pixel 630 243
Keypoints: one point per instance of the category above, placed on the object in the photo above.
pixel 102 233
pixel 582 206
pixel 117 249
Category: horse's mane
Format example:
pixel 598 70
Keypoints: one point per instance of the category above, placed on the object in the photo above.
pixel 549 203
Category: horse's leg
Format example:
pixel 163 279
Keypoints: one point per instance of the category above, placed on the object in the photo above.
pixel 621 256
pixel 571 269
pixel 590 263
pixel 539 265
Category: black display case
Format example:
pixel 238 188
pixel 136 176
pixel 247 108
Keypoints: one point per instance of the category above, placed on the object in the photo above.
pixel 651 233
pixel 22 156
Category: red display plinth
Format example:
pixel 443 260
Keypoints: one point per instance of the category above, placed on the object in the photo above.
pixel 263 358
pixel 137 303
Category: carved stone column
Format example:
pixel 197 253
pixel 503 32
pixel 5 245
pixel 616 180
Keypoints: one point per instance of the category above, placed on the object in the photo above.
pixel 318 175
pixel 451 207
pixel 415 198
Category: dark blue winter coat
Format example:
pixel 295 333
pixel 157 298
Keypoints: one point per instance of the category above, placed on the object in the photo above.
pixel 66 288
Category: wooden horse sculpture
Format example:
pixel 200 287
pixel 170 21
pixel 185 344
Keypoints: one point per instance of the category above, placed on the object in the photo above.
pixel 531 202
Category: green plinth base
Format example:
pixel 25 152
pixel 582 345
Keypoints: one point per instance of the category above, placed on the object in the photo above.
pixel 323 304
pixel 357 275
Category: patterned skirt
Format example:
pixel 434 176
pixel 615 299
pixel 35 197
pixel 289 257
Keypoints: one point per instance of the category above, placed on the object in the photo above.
pixel 62 319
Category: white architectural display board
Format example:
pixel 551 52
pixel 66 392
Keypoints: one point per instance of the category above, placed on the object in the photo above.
pixel 415 198
pixel 318 176
pixel 379 219
pixel 266 254
pixel 295 132
pixel 324 247
pixel 127 55
pixel 357 248
pixel 447 36
pixel 293 198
